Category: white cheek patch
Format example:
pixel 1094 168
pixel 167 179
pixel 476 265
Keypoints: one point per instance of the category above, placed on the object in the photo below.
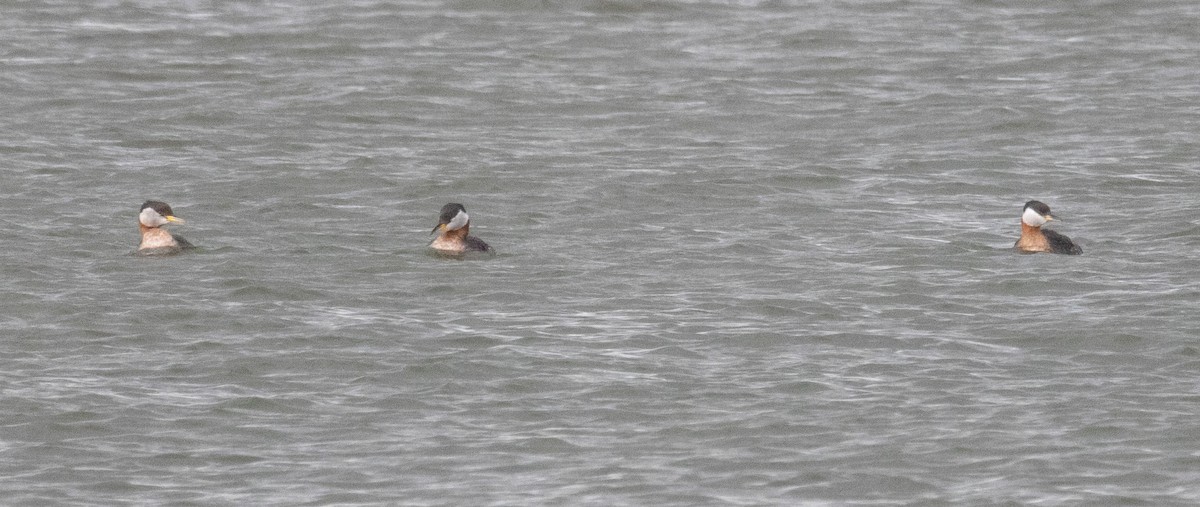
pixel 1032 218
pixel 151 218
pixel 458 221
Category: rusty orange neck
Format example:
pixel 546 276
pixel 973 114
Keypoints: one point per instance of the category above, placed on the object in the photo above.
pixel 459 234
pixel 1032 239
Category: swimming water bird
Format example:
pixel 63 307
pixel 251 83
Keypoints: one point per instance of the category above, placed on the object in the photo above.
pixel 1035 239
pixel 155 239
pixel 453 232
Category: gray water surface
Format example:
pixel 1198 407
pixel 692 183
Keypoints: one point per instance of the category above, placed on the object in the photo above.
pixel 750 253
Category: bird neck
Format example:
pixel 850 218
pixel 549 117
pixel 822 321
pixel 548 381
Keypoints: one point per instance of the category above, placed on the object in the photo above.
pixel 460 233
pixel 1032 239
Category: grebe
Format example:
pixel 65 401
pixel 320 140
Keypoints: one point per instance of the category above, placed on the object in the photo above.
pixel 453 236
pixel 155 239
pixel 1035 239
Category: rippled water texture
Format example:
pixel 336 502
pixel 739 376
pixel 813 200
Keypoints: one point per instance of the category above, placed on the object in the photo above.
pixel 749 253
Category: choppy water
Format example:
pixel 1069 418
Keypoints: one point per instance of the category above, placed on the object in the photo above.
pixel 750 253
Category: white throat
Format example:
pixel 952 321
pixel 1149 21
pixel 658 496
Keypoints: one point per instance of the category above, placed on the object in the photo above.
pixel 151 218
pixel 458 221
pixel 1032 218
